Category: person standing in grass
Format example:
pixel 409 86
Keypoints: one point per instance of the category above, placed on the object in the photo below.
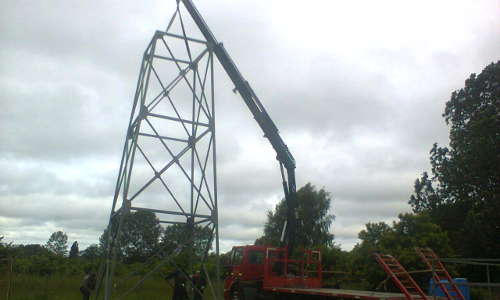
pixel 88 285
pixel 200 283
pixel 180 292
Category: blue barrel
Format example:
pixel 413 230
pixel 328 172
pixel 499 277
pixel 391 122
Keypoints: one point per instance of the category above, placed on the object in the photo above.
pixel 464 289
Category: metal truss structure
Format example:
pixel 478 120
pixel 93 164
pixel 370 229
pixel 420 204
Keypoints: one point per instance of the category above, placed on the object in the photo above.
pixel 167 179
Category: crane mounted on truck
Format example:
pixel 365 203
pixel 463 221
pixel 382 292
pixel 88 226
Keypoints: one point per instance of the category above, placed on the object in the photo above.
pixel 263 272
pixel 282 254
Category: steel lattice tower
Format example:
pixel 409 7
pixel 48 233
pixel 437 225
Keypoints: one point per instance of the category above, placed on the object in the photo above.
pixel 168 166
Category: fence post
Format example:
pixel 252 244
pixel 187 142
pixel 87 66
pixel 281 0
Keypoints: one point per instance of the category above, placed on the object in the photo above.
pixel 488 275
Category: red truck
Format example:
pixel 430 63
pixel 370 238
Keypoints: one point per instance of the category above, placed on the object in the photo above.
pixel 257 272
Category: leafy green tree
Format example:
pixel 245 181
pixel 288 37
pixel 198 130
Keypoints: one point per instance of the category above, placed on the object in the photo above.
pixel 399 241
pixel 91 253
pixel 334 258
pixel 177 237
pixel 58 243
pixel 210 264
pixel 33 249
pixel 361 261
pixel 313 216
pixel 140 236
pixel 373 233
pixel 73 252
pixel 462 195
pixel 5 249
pixel 43 264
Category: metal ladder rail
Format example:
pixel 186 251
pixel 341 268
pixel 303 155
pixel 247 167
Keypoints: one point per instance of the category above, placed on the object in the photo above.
pixel 440 273
pixel 400 276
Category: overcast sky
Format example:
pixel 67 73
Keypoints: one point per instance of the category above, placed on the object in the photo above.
pixel 357 89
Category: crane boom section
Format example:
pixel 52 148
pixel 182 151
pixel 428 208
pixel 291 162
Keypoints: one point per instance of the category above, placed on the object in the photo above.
pixel 260 114
pixel 271 132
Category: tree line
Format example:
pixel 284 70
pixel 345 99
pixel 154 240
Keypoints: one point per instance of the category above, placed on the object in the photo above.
pixel 142 235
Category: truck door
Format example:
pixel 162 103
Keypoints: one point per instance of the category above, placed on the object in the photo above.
pixel 233 269
pixel 254 265
pixel 236 261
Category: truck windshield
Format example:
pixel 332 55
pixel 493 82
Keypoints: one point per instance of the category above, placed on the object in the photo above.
pixel 238 256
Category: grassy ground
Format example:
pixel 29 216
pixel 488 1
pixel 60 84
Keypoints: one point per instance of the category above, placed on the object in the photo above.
pixel 31 287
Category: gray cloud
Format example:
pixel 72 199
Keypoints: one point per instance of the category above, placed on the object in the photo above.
pixel 357 94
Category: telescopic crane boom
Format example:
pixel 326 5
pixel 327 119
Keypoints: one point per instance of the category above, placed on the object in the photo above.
pixel 271 132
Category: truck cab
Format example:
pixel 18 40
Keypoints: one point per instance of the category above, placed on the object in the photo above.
pixel 256 272
pixel 245 271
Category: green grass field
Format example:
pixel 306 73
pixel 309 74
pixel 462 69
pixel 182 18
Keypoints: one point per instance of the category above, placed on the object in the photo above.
pixel 30 287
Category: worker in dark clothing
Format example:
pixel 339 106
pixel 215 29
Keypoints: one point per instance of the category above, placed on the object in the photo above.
pixel 88 285
pixel 200 283
pixel 180 292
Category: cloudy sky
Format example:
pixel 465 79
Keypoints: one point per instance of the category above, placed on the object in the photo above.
pixel 357 89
